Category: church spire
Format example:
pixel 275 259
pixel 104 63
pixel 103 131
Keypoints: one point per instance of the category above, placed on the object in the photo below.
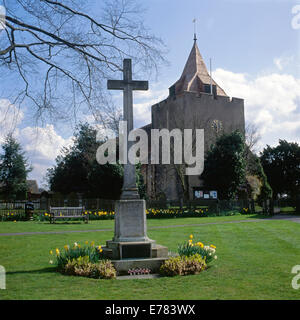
pixel 195 77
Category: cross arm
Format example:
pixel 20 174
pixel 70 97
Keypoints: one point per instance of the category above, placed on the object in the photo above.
pixel 115 84
pixel 121 84
pixel 140 85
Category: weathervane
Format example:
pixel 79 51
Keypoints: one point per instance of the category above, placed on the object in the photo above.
pixel 194 21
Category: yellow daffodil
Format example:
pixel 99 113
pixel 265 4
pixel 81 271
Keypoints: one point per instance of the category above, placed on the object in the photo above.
pixel 212 246
pixel 57 252
pixel 200 244
pixel 51 252
pixel 86 242
pixel 66 247
pixel 191 236
pixel 190 242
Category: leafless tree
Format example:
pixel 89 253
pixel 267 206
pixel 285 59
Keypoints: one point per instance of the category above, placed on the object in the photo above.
pixel 58 54
pixel 252 136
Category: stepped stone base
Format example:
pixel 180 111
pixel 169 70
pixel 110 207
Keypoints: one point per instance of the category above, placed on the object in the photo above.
pixel 131 247
pixel 129 255
pixel 134 250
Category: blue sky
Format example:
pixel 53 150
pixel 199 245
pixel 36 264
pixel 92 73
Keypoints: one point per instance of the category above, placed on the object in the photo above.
pixel 240 35
pixel 255 53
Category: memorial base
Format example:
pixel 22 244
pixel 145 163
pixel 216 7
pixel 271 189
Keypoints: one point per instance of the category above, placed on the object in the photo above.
pixel 131 247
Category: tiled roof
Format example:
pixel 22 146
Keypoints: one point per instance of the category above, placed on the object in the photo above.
pixel 195 75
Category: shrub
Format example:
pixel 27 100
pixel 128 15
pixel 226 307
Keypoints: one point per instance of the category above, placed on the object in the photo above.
pixel 183 265
pixel 190 248
pixel 82 266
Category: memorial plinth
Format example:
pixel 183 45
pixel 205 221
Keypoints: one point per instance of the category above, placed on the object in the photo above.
pixel 131 247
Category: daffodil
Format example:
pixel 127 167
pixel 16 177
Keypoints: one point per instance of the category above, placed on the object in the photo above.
pixel 57 252
pixel 200 244
pixel 212 246
pixel 66 247
pixel 191 236
pixel 51 252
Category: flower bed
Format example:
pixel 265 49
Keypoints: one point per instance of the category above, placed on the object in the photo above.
pixel 151 214
pixel 83 260
pixel 193 257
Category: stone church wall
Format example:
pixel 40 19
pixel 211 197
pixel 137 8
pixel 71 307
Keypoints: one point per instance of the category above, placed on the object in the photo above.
pixel 216 115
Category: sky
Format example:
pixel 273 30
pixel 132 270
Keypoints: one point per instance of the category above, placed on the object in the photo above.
pixel 255 50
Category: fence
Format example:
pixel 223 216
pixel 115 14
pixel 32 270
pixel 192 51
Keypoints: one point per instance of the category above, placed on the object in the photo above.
pixel 43 205
pixel 212 206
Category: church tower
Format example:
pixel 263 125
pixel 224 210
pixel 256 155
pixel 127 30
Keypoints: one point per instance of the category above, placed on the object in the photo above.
pixel 195 101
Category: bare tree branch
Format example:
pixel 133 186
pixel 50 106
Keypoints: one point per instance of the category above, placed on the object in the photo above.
pixel 62 52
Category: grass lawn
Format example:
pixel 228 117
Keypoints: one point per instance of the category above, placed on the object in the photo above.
pixel 254 262
pixel 36 226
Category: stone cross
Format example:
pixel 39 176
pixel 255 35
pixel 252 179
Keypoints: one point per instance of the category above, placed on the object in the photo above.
pixel 129 189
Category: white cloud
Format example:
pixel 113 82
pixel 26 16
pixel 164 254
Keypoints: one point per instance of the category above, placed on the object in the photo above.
pixel 10 118
pixel 271 101
pixel 42 146
pixel 43 142
pixel 285 62
pixel 143 100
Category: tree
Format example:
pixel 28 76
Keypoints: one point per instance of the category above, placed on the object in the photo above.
pixel 225 165
pixel 13 170
pixel 252 137
pixel 257 182
pixel 62 52
pixel 282 167
pixel 256 178
pixel 77 170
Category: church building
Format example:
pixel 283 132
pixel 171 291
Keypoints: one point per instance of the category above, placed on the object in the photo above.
pixel 195 101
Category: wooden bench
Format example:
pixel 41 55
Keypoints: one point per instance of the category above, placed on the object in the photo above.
pixel 67 212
